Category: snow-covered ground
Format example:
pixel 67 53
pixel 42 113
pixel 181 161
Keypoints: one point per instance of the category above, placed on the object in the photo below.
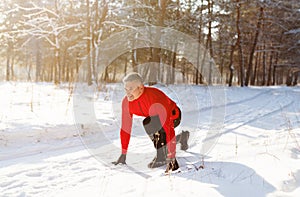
pixel 60 140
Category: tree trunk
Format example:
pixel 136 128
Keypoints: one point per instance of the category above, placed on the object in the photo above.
pixel 125 67
pixel 264 65
pixel 7 68
pixel 258 29
pixel 276 61
pixel 198 73
pixel 253 78
pixel 209 40
pixel 29 71
pixel 106 76
pixel 173 66
pixel 222 62
pixel 289 78
pixel 38 62
pixel 231 67
pixel 198 58
pixel 12 73
pixel 133 59
pixel 88 43
pixel 295 81
pixel 114 74
pixel 270 70
pixel 239 44
pixel 57 67
pixel 8 61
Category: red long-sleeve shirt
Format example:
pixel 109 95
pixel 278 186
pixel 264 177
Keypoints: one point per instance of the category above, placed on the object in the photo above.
pixel 152 102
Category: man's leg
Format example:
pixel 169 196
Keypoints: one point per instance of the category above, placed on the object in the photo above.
pixel 157 134
pixel 183 137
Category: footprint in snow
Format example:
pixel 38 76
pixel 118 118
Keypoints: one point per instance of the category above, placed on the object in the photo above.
pixel 34 174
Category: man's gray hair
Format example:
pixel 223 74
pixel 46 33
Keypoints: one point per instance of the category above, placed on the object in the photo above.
pixel 134 76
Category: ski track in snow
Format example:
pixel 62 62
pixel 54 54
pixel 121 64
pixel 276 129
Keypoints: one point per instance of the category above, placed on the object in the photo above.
pixel 50 157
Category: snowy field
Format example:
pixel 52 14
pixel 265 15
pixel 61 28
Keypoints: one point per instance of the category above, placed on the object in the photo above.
pixel 57 142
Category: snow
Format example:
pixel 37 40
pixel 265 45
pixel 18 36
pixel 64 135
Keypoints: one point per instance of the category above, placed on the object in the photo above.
pixel 57 142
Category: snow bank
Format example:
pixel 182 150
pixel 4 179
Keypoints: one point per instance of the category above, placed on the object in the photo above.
pixel 54 145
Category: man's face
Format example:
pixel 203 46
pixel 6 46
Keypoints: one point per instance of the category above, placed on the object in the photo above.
pixel 133 89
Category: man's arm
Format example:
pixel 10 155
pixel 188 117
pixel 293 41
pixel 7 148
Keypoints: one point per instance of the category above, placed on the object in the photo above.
pixel 170 138
pixel 125 131
pixel 126 126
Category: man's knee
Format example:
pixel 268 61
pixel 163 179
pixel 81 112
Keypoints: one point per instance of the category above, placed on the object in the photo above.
pixel 159 138
pixel 152 124
pixel 155 131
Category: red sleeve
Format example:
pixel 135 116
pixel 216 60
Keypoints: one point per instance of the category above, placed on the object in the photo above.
pixel 125 131
pixel 170 138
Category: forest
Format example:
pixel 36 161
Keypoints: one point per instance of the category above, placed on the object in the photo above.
pixel 248 42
